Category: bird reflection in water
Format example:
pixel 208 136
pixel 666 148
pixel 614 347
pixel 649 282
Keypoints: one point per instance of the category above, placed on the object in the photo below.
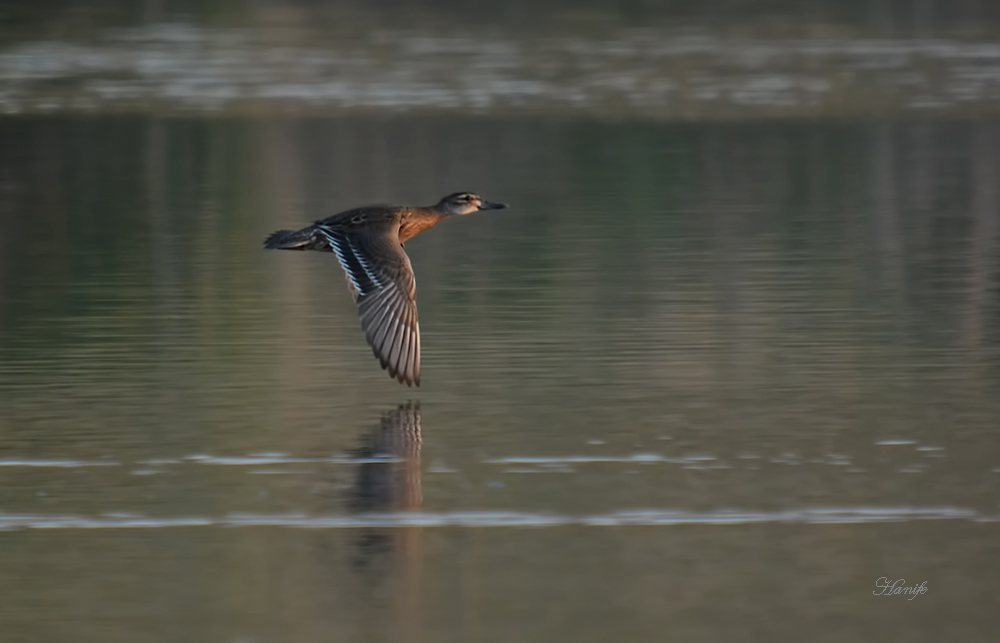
pixel 388 481
pixel 388 477
pixel 370 577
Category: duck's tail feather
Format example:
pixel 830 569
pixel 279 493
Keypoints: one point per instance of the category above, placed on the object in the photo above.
pixel 304 239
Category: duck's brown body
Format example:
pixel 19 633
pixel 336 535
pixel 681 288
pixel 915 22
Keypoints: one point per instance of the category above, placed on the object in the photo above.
pixel 416 220
pixel 368 242
pixel 408 222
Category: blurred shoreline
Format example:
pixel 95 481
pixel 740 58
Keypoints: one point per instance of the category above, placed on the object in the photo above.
pixel 177 68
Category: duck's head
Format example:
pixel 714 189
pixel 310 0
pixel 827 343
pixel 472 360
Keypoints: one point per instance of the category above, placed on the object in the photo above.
pixel 466 203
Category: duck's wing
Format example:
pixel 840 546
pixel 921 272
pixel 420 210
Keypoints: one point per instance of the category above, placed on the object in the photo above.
pixel 381 281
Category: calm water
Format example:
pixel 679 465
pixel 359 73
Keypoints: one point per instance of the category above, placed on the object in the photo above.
pixel 698 382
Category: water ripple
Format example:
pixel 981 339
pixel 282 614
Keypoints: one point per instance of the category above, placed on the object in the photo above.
pixel 577 459
pixel 61 464
pixel 651 517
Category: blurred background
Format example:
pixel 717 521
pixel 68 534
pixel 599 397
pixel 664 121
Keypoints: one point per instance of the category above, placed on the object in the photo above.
pixel 731 356
pixel 648 59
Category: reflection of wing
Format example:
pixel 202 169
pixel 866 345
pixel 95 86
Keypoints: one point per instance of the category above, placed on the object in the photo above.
pixel 393 485
pixel 381 280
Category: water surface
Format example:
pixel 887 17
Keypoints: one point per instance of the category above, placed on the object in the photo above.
pixel 699 382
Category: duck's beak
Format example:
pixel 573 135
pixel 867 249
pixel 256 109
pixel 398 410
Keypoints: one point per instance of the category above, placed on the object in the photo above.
pixel 488 205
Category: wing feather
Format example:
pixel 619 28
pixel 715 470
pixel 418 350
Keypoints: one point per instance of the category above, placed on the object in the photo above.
pixel 392 342
pixel 415 359
pixel 381 280
pixel 403 365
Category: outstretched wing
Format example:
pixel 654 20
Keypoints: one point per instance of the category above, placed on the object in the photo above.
pixel 381 280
